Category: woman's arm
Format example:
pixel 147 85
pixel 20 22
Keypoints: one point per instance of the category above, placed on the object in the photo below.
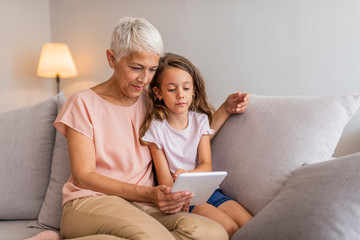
pixel 83 168
pixel 234 103
pixel 161 165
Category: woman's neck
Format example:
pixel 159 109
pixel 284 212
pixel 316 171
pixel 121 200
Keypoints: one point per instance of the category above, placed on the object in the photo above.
pixel 110 91
pixel 177 121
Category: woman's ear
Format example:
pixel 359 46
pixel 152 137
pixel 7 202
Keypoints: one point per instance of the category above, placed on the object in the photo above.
pixel 157 92
pixel 110 55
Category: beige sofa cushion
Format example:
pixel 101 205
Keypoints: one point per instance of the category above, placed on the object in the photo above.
pixel 26 149
pixel 261 148
pixel 51 210
pixel 320 201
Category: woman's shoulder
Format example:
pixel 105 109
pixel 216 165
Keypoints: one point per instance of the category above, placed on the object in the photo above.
pixel 80 100
pixel 84 94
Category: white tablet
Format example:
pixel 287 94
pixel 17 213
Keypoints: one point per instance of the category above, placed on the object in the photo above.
pixel 202 184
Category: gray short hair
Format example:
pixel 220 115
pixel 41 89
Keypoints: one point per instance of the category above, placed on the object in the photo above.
pixel 135 35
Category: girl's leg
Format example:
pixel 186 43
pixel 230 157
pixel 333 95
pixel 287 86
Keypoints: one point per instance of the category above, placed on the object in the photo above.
pixel 209 211
pixel 110 216
pixel 237 212
pixel 189 226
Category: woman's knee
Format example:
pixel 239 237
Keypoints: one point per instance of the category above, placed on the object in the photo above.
pixel 193 226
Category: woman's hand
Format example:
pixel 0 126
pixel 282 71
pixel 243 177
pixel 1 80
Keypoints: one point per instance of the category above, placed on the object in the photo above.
pixel 168 202
pixel 236 102
pixel 186 207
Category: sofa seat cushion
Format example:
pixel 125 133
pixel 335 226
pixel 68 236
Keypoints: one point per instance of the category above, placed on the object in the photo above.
pixel 320 201
pixel 261 148
pixel 17 230
pixel 26 149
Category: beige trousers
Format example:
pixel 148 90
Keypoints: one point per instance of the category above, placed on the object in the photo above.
pixel 111 217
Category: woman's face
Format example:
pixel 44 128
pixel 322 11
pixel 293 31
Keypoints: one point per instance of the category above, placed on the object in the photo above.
pixel 133 72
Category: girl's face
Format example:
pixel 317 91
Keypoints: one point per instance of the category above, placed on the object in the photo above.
pixel 177 90
pixel 133 72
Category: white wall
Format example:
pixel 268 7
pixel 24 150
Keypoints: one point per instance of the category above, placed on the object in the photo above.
pixel 25 26
pixel 278 47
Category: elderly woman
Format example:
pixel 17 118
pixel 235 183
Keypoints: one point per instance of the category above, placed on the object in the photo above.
pixel 111 192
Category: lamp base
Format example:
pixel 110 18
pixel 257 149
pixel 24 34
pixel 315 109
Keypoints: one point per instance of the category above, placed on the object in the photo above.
pixel 57 83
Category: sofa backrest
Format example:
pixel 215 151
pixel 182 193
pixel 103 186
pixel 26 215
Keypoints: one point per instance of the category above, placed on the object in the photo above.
pixel 276 135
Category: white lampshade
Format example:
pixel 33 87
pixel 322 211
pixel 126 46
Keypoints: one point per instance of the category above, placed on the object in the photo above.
pixel 56 60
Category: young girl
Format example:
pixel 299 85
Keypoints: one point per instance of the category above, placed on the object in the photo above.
pixel 177 131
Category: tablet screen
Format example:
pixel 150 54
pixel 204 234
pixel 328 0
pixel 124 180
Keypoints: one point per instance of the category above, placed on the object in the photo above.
pixel 202 184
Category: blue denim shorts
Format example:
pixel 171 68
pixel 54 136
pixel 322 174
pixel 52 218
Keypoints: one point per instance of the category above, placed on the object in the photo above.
pixel 216 199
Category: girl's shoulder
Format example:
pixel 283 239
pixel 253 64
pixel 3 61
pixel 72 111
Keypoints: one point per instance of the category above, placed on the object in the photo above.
pixel 156 123
pixel 197 115
pixel 198 119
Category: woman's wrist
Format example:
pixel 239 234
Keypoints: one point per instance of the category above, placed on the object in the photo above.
pixel 146 194
pixel 223 111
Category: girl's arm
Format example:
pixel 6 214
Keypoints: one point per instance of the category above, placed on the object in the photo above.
pixel 161 165
pixel 234 103
pixel 83 169
pixel 204 154
pixel 163 172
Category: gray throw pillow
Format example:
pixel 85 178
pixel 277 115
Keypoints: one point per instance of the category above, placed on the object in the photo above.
pixel 276 135
pixel 26 149
pixel 320 201
pixel 51 210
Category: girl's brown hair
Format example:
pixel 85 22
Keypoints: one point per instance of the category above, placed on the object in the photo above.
pixel 157 108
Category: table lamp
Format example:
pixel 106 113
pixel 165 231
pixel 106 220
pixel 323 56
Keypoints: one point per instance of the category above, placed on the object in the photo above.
pixel 56 62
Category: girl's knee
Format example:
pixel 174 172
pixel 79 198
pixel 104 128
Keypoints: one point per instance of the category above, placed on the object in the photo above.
pixel 231 227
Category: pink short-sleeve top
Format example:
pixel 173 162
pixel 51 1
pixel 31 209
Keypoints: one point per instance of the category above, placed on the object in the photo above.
pixel 115 132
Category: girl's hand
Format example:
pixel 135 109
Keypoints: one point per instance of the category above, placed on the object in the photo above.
pixel 178 172
pixel 168 202
pixel 236 102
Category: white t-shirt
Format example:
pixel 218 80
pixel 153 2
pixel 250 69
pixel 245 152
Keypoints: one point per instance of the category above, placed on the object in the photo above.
pixel 180 146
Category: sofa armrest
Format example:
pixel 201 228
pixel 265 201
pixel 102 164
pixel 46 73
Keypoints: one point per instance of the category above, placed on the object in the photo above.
pixel 320 201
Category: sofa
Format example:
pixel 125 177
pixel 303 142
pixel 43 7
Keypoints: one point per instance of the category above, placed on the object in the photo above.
pixel 278 156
